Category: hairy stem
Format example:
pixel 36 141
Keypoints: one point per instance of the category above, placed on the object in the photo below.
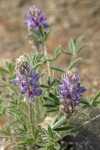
pixel 48 65
pixel 31 117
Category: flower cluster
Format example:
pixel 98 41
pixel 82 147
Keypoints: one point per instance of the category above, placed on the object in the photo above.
pixel 35 18
pixel 70 91
pixel 27 79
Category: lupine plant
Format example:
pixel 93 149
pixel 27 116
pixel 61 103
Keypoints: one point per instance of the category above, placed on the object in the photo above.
pixel 38 107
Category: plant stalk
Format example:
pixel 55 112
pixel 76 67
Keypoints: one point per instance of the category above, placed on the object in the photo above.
pixel 31 117
pixel 48 65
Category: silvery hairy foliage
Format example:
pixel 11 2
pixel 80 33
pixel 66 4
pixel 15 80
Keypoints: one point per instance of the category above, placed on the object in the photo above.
pixel 38 107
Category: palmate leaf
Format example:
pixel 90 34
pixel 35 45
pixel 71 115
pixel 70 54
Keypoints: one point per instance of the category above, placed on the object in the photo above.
pixel 51 102
pixel 37 60
pixel 76 46
pixel 53 81
pixel 39 36
pixel 28 58
pixel 36 36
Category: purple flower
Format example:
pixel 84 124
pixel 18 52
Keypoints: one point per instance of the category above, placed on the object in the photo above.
pixel 70 91
pixel 27 79
pixel 35 18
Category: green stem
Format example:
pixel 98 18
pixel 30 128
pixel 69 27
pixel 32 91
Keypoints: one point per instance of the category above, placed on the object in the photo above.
pixel 48 65
pixel 41 109
pixel 31 117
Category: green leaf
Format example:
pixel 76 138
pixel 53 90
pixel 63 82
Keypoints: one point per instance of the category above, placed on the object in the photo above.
pixel 37 65
pixel 2 70
pixel 78 41
pixel 22 138
pixel 86 102
pixel 76 46
pixel 96 96
pixel 36 134
pixel 48 33
pixel 3 85
pixel 64 128
pixel 59 122
pixel 49 105
pixel 57 69
pixel 50 132
pixel 55 82
pixel 71 46
pixel 44 86
pixel 73 63
pixel 10 66
pixel 37 58
pixel 80 48
pixel 34 34
pixel 57 52
pixel 50 110
pixel 26 140
pixel 49 58
pixel 42 32
pixel 27 57
pixel 67 53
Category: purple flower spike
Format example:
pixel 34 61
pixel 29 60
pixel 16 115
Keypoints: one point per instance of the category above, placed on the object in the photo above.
pixel 23 90
pixel 70 91
pixel 61 87
pixel 38 92
pixel 33 84
pixel 81 90
pixel 35 18
pixel 16 80
pixel 27 79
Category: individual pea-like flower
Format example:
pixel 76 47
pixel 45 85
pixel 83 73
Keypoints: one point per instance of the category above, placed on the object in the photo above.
pixel 27 79
pixel 70 91
pixel 35 18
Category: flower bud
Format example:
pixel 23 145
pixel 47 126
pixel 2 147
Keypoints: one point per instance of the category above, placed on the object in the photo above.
pixel 22 65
